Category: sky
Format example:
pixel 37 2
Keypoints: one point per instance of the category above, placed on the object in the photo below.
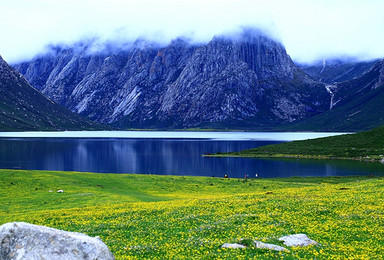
pixel 310 30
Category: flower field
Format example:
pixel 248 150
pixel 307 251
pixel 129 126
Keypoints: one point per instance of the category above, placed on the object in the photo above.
pixel 168 217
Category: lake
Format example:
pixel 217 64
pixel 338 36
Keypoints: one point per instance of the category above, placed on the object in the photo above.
pixel 165 153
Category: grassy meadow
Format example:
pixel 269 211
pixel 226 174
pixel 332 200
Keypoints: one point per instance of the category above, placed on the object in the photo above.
pixel 169 217
pixel 367 146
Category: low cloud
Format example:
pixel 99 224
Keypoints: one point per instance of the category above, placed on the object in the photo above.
pixel 309 29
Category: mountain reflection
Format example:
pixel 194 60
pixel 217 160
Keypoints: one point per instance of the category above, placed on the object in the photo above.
pixel 162 156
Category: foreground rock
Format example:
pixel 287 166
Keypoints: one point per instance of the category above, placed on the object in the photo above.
pixel 298 240
pixel 262 245
pixel 19 240
pixel 233 246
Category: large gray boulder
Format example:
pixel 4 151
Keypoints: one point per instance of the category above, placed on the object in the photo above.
pixel 19 240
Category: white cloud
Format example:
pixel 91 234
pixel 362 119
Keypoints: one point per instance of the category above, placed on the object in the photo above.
pixel 308 28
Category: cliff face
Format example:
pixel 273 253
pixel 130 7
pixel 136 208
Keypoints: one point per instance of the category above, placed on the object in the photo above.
pixel 248 77
pixel 332 71
pixel 356 104
pixel 348 91
pixel 24 108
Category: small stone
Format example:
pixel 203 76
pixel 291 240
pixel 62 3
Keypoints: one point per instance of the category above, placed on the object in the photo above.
pixel 233 246
pixel 298 240
pixel 60 191
pixel 261 245
pixel 50 191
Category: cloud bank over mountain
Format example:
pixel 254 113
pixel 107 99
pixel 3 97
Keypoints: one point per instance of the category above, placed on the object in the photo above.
pixel 309 29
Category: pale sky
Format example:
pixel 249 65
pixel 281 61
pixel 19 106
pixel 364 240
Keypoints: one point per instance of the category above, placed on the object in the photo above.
pixel 309 29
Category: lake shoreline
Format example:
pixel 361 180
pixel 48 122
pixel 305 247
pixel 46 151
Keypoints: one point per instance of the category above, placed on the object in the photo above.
pixel 363 146
pixel 164 153
pixel 217 135
pixel 300 156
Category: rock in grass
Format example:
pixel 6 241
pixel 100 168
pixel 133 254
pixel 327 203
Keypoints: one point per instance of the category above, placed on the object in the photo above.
pixel 233 246
pixel 19 240
pixel 261 245
pixel 298 240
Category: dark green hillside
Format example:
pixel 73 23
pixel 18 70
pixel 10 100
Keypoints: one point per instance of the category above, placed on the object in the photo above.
pixel 363 113
pixel 367 145
pixel 358 105
pixel 23 108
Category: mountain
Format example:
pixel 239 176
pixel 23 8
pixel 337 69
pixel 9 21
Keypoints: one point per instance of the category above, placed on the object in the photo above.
pixel 247 78
pixel 337 70
pixel 24 108
pixel 356 105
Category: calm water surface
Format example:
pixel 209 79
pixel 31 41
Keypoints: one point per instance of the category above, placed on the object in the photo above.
pixel 164 156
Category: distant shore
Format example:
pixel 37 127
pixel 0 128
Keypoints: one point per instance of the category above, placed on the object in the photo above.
pixel 298 156
pixel 364 146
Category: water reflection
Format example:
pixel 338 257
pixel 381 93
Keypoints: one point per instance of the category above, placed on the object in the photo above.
pixel 163 156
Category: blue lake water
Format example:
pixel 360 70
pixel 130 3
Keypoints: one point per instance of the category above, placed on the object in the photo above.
pixel 169 153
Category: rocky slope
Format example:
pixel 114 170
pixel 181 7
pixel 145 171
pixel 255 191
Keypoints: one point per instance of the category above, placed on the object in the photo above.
pixel 357 104
pixel 229 80
pixel 337 70
pixel 24 108
pixel 346 91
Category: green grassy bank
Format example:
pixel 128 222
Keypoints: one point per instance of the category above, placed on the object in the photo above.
pixel 367 145
pixel 168 217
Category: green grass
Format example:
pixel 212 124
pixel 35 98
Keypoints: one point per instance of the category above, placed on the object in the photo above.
pixel 170 217
pixel 367 145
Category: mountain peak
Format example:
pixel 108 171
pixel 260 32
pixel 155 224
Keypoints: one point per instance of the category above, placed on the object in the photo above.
pixel 231 78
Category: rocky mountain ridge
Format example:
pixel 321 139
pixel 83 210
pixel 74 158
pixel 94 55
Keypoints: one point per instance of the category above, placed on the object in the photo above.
pixel 230 79
pixel 346 91
pixel 22 107
pixel 357 104
pixel 331 71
